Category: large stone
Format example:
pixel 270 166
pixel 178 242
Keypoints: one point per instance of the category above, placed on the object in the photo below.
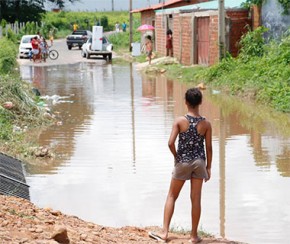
pixel 60 235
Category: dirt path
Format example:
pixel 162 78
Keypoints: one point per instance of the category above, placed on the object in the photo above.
pixel 23 222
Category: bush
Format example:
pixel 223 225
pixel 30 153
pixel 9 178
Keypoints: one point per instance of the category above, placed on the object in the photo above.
pixel 261 71
pixel 8 54
pixel 252 43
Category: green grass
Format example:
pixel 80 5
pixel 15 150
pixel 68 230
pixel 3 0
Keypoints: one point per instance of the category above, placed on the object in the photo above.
pixel 184 231
pixel 262 76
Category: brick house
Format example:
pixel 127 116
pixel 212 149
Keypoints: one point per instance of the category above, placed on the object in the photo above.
pixel 195 29
pixel 148 14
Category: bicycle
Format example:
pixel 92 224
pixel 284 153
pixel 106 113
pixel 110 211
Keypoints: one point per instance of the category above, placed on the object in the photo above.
pixel 50 53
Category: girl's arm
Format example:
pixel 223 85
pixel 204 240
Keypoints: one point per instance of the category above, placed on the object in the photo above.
pixel 208 149
pixel 173 136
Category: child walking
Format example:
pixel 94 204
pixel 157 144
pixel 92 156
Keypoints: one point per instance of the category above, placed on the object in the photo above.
pixel 192 162
pixel 149 48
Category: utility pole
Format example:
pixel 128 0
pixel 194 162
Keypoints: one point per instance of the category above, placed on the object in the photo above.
pixel 113 7
pixel 222 28
pixel 130 26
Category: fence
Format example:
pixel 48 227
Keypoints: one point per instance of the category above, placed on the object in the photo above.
pixel 14 27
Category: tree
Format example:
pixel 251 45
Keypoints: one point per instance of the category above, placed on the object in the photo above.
pixel 25 10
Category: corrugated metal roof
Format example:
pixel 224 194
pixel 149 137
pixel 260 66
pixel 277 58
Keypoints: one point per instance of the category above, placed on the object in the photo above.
pixel 206 5
pixel 12 179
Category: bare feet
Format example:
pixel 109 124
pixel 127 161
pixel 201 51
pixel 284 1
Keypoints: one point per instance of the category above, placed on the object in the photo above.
pixel 195 240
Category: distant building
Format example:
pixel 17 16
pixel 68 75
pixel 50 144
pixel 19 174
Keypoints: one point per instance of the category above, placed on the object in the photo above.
pixel 195 28
pixel 56 10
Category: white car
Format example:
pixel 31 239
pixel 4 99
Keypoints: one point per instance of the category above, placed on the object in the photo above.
pixel 25 46
pixel 106 51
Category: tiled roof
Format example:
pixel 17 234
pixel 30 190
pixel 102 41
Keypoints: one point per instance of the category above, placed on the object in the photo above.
pixel 229 4
pixel 157 6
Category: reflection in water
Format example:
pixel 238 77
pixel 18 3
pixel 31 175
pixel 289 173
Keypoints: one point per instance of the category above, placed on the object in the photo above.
pixel 133 113
pixel 114 166
pixel 222 159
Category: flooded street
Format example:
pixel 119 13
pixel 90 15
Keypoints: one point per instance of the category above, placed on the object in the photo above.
pixel 115 165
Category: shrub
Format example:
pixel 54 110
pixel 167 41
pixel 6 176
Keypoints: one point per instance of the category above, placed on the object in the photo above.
pixel 252 43
pixel 8 54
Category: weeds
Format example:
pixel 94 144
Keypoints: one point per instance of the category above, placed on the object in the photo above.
pixel 24 114
pixel 261 71
pixel 181 230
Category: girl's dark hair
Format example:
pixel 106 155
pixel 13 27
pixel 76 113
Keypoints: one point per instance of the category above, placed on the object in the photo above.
pixel 169 32
pixel 193 96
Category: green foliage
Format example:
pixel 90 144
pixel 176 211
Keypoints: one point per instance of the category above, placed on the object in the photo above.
pixel 249 3
pixel 252 43
pixel 286 5
pixel 8 54
pixel 121 40
pixel 265 76
pixel 85 20
pixel 22 11
pixel 24 111
pixel 3 23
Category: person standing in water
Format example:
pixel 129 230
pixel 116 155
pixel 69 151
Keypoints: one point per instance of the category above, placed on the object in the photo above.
pixel 149 48
pixel 192 162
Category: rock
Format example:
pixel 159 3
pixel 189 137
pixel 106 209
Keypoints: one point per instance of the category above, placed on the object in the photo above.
pixel 60 235
pixel 83 237
pixel 39 230
pixel 5 223
pixel 8 105
pixel 55 212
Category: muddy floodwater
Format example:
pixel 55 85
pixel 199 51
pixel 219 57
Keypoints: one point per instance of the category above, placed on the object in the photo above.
pixel 114 167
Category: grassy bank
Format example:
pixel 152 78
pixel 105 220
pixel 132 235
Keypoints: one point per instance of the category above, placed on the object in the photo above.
pixel 261 72
pixel 18 109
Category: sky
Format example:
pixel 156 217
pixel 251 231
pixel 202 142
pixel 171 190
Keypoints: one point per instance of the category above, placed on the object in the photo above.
pixel 106 5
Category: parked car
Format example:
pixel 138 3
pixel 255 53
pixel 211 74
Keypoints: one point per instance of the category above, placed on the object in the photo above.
pixel 25 46
pixel 78 38
pixel 106 50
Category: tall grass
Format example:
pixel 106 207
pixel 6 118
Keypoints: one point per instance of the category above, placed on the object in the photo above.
pixel 24 113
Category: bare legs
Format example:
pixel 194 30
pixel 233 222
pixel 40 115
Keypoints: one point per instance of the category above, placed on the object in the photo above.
pixel 195 196
pixel 174 190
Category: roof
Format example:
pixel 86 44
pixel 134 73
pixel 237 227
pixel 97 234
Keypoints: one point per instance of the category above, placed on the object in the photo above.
pixel 157 6
pixel 229 4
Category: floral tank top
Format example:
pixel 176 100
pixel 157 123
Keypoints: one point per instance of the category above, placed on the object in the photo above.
pixel 190 143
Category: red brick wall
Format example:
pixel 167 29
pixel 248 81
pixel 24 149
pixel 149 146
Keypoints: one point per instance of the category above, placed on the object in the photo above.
pixel 182 35
pixel 186 38
pixel 160 35
pixel 176 36
pixel 147 17
pixel 256 16
pixel 213 40
pixel 239 20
